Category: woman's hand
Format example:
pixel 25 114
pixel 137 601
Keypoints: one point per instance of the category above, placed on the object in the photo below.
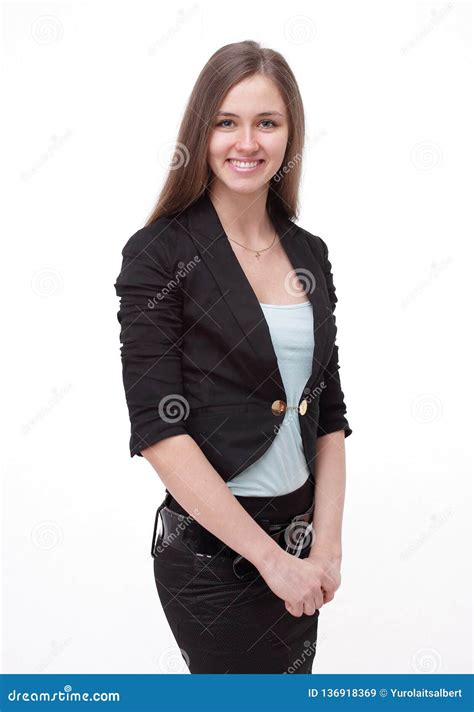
pixel 304 584
pixel 330 566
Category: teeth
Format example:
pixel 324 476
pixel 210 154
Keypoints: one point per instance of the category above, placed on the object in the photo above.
pixel 244 164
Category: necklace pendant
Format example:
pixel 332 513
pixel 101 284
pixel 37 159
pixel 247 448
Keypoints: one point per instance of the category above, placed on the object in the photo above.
pixel 257 254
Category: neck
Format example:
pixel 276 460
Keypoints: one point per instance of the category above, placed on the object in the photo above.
pixel 244 216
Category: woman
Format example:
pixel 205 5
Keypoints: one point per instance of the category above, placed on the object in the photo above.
pixel 227 322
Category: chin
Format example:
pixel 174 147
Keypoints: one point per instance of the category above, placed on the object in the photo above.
pixel 246 189
pixel 242 185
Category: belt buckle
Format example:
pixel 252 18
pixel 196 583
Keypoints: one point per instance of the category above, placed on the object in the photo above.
pixel 298 533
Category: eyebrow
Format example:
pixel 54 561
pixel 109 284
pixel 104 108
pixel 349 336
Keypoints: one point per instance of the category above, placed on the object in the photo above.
pixel 262 113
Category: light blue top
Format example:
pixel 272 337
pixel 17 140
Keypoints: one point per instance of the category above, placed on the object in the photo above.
pixel 283 468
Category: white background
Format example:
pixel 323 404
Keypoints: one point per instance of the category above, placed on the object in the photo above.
pixel 95 94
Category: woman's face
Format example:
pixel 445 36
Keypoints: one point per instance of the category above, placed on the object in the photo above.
pixel 251 127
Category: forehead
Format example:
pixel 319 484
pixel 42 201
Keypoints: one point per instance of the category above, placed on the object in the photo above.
pixel 253 95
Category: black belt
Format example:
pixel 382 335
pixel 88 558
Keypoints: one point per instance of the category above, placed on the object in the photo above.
pixel 183 532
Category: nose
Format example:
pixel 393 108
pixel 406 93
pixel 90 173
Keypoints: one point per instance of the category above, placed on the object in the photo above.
pixel 246 141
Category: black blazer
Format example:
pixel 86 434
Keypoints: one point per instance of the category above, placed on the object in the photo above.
pixel 197 355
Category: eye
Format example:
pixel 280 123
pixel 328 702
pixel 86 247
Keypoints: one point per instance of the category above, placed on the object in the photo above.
pixel 263 121
pixel 268 121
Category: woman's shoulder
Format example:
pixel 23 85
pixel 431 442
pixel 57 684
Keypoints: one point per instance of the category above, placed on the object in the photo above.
pixel 160 237
pixel 316 243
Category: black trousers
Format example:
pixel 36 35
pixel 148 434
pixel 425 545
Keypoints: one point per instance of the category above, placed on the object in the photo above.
pixel 224 624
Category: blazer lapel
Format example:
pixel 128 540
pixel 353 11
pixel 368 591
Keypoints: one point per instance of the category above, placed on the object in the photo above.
pixel 215 250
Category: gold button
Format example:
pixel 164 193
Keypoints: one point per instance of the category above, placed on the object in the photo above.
pixel 303 406
pixel 278 407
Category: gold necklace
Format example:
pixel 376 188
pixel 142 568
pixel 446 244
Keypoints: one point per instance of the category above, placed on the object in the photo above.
pixel 257 252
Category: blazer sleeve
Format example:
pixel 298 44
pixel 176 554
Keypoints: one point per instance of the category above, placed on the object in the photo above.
pixel 150 316
pixel 332 408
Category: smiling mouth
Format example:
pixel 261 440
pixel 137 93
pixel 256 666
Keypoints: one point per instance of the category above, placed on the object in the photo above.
pixel 245 165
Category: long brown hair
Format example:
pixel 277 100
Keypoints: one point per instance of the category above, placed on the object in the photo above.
pixel 189 174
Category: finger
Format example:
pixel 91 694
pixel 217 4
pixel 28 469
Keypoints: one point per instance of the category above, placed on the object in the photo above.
pixel 327 595
pixel 309 608
pixel 296 610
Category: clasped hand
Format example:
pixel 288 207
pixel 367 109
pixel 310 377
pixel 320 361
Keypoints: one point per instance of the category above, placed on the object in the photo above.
pixel 304 584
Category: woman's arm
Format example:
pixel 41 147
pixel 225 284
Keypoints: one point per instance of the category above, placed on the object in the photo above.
pixel 330 469
pixel 326 548
pixel 329 495
pixel 200 490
